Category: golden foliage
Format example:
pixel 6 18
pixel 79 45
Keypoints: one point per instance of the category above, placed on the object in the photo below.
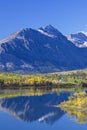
pixel 76 106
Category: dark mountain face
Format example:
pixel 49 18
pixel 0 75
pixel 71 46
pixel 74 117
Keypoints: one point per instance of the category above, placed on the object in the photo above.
pixel 35 108
pixel 40 51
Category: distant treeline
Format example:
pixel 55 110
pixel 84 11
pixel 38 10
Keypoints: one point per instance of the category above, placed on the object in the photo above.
pixel 67 79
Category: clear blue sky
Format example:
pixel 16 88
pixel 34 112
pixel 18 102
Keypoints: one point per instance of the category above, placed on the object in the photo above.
pixel 69 16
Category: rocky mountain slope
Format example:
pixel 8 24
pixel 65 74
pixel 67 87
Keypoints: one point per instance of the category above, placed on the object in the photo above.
pixel 40 51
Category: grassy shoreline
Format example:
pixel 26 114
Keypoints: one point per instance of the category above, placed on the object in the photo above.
pixel 76 107
pixel 66 79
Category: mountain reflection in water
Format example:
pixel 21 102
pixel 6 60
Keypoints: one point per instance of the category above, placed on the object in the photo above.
pixel 35 108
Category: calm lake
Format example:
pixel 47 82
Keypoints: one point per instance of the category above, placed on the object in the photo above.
pixel 36 110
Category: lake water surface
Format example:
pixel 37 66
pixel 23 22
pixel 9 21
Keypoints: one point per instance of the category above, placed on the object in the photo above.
pixel 27 110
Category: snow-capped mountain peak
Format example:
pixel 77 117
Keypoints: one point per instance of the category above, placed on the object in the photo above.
pixel 84 32
pixel 79 39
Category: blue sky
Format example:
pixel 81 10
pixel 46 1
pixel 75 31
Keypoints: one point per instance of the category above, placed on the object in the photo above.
pixel 68 16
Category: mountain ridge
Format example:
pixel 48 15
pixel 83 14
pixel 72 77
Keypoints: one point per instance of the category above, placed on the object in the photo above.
pixel 40 51
pixel 79 39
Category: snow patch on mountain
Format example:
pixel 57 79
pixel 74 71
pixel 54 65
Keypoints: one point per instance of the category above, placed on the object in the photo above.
pixel 45 33
pixel 79 39
pixel 84 32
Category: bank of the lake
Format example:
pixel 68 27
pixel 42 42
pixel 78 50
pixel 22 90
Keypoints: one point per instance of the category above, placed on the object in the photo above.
pixel 69 79
pixel 76 106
